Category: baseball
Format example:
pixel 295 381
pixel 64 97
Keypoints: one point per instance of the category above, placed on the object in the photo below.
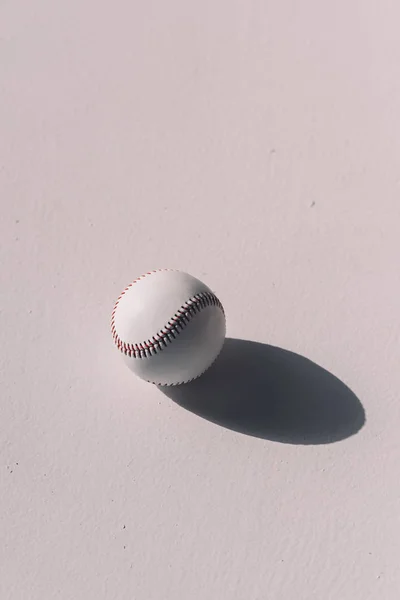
pixel 168 326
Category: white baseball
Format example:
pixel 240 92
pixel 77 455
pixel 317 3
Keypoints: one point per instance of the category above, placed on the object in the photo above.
pixel 168 326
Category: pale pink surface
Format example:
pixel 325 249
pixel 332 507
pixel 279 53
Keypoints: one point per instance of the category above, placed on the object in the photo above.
pixel 197 136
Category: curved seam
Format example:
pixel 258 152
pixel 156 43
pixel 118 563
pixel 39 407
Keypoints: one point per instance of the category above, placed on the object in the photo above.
pixel 169 332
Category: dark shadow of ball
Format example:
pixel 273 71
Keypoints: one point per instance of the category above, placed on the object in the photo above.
pixel 273 394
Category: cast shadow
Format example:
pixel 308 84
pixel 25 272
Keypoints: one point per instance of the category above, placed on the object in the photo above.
pixel 274 394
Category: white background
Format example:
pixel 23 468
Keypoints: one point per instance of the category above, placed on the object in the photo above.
pixel 254 144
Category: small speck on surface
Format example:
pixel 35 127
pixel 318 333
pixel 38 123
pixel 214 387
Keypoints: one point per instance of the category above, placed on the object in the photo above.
pixel 312 204
pixel 17 220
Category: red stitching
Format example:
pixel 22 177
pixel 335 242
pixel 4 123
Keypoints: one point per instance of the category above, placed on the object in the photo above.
pixel 180 319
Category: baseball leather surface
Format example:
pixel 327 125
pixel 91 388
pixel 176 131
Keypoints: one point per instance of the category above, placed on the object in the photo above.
pixel 168 326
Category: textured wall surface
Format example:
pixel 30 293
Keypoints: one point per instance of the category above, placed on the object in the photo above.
pixel 254 144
